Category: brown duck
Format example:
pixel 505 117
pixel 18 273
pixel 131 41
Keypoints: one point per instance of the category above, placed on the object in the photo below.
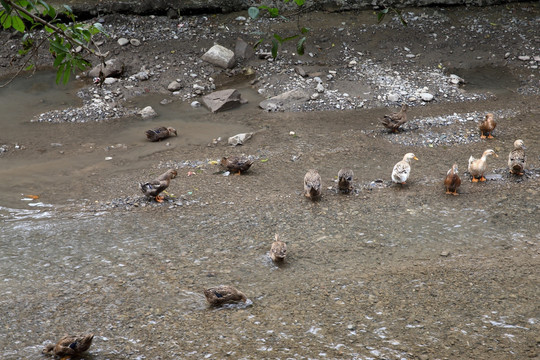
pixel 487 126
pixel 312 185
pixel 517 158
pixel 345 178
pixel 236 164
pixel 155 187
pixel 394 121
pixel 160 133
pixel 70 345
pixel 278 251
pixel 224 294
pixel 452 180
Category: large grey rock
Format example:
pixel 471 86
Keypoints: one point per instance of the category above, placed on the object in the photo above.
pixel 174 86
pixel 242 50
pixel 220 56
pixel 223 100
pixel 112 68
pixel 285 101
pixel 147 113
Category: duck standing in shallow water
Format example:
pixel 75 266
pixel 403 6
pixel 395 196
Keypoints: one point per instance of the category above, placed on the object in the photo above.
pixel 477 167
pixel 73 345
pixel 224 294
pixel 160 133
pixel 487 126
pixel 312 185
pixel 155 187
pixel 402 169
pixel 517 158
pixel 278 251
pixel 345 178
pixel 452 180
pixel 394 121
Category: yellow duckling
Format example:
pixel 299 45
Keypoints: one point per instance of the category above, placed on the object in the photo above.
pixel 278 251
pixel 345 178
pixel 224 294
pixel 517 158
pixel 73 345
pixel 312 184
pixel 487 126
pixel 452 180
pixel 402 169
pixel 394 121
pixel 477 167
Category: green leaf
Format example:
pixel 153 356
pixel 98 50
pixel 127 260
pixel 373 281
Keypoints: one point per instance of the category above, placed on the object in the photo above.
pixel 300 46
pixel 274 12
pixel 48 29
pixel 290 38
pixel 29 67
pixel 278 38
pixel 275 46
pixel 6 21
pixel 305 30
pixel 67 73
pixel 253 12
pixel 18 24
pixel 59 72
pixel 299 2
pixel 259 42
pixel 400 16
pixel 99 27
pixel 59 59
pixel 68 8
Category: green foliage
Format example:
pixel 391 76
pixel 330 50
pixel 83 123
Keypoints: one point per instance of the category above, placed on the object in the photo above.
pixel 276 39
pixel 64 40
pixel 381 14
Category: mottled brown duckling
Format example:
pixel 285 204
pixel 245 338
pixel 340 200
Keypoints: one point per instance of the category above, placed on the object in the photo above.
pixel 236 164
pixel 155 187
pixel 477 167
pixel 278 251
pixel 160 133
pixel 312 184
pixel 224 294
pixel 395 120
pixel 402 169
pixel 487 126
pixel 345 180
pixel 452 180
pixel 517 158
pixel 70 345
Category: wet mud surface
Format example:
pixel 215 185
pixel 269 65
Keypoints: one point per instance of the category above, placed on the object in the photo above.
pixel 386 272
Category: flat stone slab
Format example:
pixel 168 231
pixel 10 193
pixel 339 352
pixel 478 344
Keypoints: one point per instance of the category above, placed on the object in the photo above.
pixel 223 100
pixel 285 101
pixel 220 56
pixel 112 68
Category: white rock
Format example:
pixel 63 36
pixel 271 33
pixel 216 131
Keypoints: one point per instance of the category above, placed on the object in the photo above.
pixel 507 55
pixel 314 96
pixel 320 88
pixel 148 112
pixel 135 42
pixel 426 96
pixel 524 58
pixel 198 87
pixel 195 104
pixel 317 79
pixel 410 56
pixel 352 63
pixel 240 18
pixel 174 86
pixel 393 97
pixel 110 80
pixel 239 139
pixel 220 56
pixel 123 41
pixel 536 58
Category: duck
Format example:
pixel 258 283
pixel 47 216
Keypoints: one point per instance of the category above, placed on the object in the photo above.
pixel 487 126
pixel 236 164
pixel 452 180
pixel 160 133
pixel 477 167
pixel 312 184
pixel 395 120
pixel 155 187
pixel 70 345
pixel 278 251
pixel 402 169
pixel 223 294
pixel 345 178
pixel 517 158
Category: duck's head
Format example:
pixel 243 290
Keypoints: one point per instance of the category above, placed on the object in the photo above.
pixel 453 170
pixel 489 152
pixel 518 144
pixel 171 174
pixel 404 107
pixel 409 156
pixel 172 131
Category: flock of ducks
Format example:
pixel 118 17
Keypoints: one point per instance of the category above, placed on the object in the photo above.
pixel 74 345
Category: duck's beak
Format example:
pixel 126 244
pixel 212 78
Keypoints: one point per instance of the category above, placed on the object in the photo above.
pixel 495 155
pixel 415 158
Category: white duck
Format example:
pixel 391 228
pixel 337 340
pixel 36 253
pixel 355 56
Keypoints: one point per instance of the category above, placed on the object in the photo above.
pixel 402 169
pixel 477 167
